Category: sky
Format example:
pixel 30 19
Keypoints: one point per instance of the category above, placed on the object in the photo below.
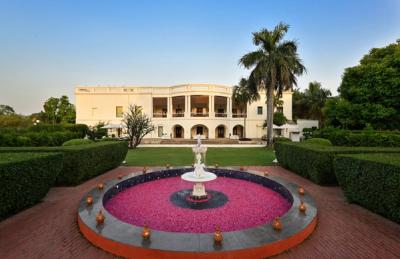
pixel 47 48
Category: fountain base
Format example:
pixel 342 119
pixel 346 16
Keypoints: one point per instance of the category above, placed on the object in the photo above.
pixel 199 192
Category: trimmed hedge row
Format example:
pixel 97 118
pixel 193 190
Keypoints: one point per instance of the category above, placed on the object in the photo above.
pixel 372 181
pixel 365 138
pixel 25 179
pixel 82 162
pixel 37 139
pixel 315 162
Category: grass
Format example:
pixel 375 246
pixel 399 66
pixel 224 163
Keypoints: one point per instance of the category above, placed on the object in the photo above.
pixel 182 156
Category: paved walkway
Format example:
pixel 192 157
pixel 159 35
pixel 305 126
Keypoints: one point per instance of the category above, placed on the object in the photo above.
pixel 49 229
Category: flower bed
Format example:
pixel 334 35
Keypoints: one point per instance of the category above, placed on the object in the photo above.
pixel 249 204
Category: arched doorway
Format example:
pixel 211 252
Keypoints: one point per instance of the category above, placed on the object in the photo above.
pixel 238 131
pixel 199 130
pixel 178 131
pixel 220 131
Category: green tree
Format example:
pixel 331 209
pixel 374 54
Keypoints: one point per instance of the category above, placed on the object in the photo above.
pixel 369 92
pixel 137 125
pixel 315 97
pixel 59 110
pixel 6 110
pixel 309 105
pixel 275 65
pixel 244 95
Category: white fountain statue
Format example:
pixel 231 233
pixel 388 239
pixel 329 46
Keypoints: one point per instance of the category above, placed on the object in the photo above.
pixel 199 176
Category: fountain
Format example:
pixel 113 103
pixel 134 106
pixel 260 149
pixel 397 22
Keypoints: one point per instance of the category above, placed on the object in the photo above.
pixel 199 176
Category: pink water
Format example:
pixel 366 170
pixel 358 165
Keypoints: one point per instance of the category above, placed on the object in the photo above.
pixel 249 205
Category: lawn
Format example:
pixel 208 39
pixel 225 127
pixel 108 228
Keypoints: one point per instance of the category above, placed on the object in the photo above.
pixel 182 156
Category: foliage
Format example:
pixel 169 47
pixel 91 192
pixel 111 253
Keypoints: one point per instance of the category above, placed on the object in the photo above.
pixel 138 125
pixel 14 121
pixel 315 162
pixel 319 141
pixel 82 162
pixel 6 110
pixel 308 132
pixel 364 138
pixel 279 118
pixel 275 65
pixel 371 180
pixel 369 92
pixel 76 142
pixel 244 95
pixel 59 110
pixel 281 139
pixel 310 103
pixel 97 131
pixel 25 179
pixel 181 156
pixel 36 139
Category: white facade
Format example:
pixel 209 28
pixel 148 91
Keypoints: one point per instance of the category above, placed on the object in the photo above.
pixel 181 111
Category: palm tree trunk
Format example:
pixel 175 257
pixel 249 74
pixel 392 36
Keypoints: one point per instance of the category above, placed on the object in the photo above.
pixel 270 114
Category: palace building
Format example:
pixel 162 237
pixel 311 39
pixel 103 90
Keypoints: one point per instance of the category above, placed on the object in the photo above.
pixel 178 112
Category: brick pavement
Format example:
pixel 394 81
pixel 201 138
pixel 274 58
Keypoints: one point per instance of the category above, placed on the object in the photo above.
pixel 49 229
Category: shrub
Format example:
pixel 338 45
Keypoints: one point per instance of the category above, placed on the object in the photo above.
pixel 364 138
pixel 37 139
pixel 315 162
pixel 282 139
pixel 84 161
pixel 371 180
pixel 108 139
pixel 318 141
pixel 25 179
pixel 76 142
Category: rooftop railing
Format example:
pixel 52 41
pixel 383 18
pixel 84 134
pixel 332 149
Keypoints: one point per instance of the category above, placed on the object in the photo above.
pixel 239 115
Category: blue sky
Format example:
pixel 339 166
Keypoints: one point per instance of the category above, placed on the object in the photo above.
pixel 49 47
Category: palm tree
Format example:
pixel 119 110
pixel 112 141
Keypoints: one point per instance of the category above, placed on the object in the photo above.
pixel 244 95
pixel 275 65
pixel 315 97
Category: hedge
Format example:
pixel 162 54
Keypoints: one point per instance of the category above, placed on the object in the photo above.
pixel 77 142
pixel 315 162
pixel 318 141
pixel 364 138
pixel 37 139
pixel 372 181
pixel 25 179
pixel 84 161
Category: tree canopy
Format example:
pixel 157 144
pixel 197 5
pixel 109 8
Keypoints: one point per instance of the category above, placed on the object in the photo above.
pixel 309 104
pixel 58 110
pixel 6 110
pixel 369 92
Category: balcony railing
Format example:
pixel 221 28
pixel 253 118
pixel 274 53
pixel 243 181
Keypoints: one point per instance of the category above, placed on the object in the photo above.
pixel 159 115
pixel 239 115
pixel 181 114
pixel 221 115
pixel 203 114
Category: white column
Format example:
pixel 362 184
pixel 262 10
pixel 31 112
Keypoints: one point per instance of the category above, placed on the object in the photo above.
pixel 169 107
pixel 189 105
pixel 229 107
pixel 211 106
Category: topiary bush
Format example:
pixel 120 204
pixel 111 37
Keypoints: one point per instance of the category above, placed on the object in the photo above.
pixel 25 179
pixel 82 162
pixel 372 181
pixel 315 162
pixel 318 141
pixel 76 142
